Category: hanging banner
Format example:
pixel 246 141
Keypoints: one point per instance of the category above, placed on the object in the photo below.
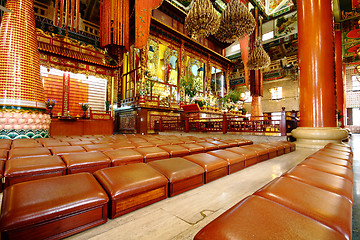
pixel 143 11
pixel 244 49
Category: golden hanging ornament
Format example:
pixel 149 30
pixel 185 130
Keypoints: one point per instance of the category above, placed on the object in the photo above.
pixel 202 19
pixel 258 58
pixel 235 22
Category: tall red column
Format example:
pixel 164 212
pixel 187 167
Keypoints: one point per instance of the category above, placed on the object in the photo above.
pixel 339 76
pixel 317 82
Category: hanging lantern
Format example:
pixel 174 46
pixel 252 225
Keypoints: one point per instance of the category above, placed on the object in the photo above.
pixel 235 22
pixel 202 19
pixel 259 58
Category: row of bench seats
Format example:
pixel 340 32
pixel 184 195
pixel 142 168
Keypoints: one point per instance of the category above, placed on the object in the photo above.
pixel 311 201
pixel 56 207
pixel 27 162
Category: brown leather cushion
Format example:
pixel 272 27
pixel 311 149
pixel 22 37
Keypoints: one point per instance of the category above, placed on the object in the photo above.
pixel 261 150
pixel 326 181
pixel 42 200
pixel 55 143
pixel 5 145
pixel 127 180
pixel 123 145
pixel 337 154
pixel 232 143
pixel 193 148
pixel 3 154
pixel 230 157
pixel 207 161
pixel 220 144
pixel 332 160
pixel 152 153
pixel 66 150
pixel 246 152
pixel 142 144
pixel 175 141
pixel 176 169
pixel 328 167
pixel 5 141
pixel 176 150
pixel 243 142
pixel 340 145
pixel 86 162
pixel 31 168
pixel 208 146
pixel 124 156
pixel 2 165
pixel 80 143
pixel 326 207
pixel 28 152
pixel 187 140
pixel 321 153
pixel 26 144
pixel 259 218
pixel 98 147
pixel 339 148
pixel 158 143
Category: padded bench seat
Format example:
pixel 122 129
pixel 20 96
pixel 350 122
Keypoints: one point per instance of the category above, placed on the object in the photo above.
pixel 280 147
pixel 236 161
pixel 25 143
pixel 263 153
pixel 220 144
pixel 326 207
pixel 28 152
pixel 326 181
pixel 183 175
pixel 124 156
pixel 333 160
pixel 152 153
pixel 85 162
pixel 214 167
pixel 3 154
pixel 193 148
pixel 98 147
pixel 52 208
pixel 328 167
pixel 31 168
pixel 131 187
pixel 176 150
pixel 256 217
pixel 208 146
pixel 250 155
pixel 123 145
pixel 66 150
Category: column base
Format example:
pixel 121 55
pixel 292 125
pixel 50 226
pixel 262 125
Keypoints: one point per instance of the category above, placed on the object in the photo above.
pixel 318 137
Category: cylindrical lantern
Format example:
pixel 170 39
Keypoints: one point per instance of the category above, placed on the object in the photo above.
pixel 21 90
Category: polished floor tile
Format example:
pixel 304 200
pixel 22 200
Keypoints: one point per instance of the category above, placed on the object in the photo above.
pixel 182 216
pixel 355 145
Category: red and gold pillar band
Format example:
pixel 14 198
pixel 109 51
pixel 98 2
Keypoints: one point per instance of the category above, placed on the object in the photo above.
pixel 20 83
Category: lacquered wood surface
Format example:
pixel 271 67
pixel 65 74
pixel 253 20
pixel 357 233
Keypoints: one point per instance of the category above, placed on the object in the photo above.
pixel 80 127
pixel 316 63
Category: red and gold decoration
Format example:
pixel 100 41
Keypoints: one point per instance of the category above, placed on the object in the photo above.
pixel 143 10
pixel 259 58
pixel 235 22
pixel 20 83
pixel 202 19
pixel 114 23
pixel 72 12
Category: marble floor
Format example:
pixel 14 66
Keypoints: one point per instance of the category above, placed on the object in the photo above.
pixel 355 145
pixel 182 216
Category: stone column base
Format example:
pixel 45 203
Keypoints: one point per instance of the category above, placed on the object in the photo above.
pixel 318 137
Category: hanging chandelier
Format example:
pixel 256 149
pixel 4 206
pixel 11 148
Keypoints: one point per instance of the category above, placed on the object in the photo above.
pixel 258 58
pixel 202 19
pixel 235 22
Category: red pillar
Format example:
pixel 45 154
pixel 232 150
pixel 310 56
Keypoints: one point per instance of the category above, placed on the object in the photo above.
pixel 316 44
pixel 339 75
pixel 317 80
